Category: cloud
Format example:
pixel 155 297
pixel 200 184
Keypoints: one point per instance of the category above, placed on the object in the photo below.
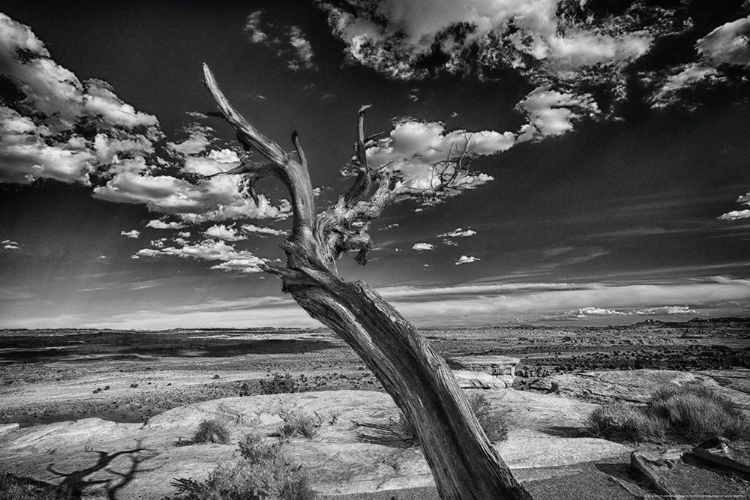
pixel 553 113
pixel 736 215
pixel 458 233
pixel 253 27
pixel 253 229
pixel 211 250
pixel 39 138
pixel 423 247
pixel 227 233
pixel 739 214
pixel 490 303
pixel 160 224
pixel 40 129
pixel 652 311
pixel 291 43
pixel 409 40
pixel 196 143
pixel 217 199
pixel 184 234
pixel 134 233
pixel 414 147
pixel 727 44
pixel 465 259
pixel 585 312
pixel 686 77
pixel 303 52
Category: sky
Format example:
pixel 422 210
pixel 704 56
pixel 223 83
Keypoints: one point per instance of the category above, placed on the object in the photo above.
pixel 610 146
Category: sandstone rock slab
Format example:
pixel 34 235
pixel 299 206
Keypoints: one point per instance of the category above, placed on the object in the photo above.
pixel 494 365
pixel 143 459
pixel 479 380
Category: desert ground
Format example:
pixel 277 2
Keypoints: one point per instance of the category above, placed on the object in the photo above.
pixel 137 380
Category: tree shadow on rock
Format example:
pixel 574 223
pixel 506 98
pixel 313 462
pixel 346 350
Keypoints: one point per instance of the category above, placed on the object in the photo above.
pixel 78 480
pixel 563 431
pixel 396 433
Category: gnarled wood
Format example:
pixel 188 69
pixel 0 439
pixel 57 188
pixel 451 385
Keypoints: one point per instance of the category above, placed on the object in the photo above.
pixel 463 462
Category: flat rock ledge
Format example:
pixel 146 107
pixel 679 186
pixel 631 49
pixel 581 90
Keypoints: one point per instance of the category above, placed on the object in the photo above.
pixel 345 457
pixel 636 386
pixel 501 368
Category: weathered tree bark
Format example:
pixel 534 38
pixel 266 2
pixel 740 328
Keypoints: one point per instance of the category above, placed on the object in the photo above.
pixel 463 461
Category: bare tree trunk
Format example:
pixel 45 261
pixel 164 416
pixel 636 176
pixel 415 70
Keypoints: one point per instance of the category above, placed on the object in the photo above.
pixel 463 462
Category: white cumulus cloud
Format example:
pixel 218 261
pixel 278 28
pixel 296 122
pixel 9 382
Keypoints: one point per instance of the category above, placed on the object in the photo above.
pixel 134 233
pixel 423 247
pixel 458 233
pixel 160 224
pixel 211 250
pixel 223 232
pixel 466 259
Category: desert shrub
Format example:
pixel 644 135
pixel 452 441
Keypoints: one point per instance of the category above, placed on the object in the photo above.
pixel 15 488
pixel 697 413
pixel 262 473
pixel 688 413
pixel 493 423
pixel 211 431
pixel 297 425
pixel 254 449
pixel 626 422
pixel 278 384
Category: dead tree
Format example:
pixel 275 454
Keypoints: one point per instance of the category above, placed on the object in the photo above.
pixel 463 462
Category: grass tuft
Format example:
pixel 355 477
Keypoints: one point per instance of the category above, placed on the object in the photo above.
pixel 211 431
pixel 697 413
pixel 263 473
pixel 493 423
pixel 278 384
pixel 297 425
pixel 689 413
pixel 15 488
pixel 629 422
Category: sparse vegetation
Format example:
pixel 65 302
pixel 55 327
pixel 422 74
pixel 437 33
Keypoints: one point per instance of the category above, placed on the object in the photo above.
pixel 297 425
pixel 14 488
pixel 211 431
pixel 278 384
pixel 626 421
pixel 262 473
pixel 254 449
pixel 698 413
pixel 688 413
pixel 493 423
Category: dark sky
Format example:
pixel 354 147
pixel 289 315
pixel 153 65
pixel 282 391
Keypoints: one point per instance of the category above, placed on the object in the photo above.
pixel 615 136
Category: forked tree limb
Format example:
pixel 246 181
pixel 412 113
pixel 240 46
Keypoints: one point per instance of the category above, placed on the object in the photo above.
pixel 463 462
pixel 302 243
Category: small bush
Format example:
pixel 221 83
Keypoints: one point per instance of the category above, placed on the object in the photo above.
pixel 493 423
pixel 278 384
pixel 627 422
pixel 697 413
pixel 14 488
pixel 688 413
pixel 262 474
pixel 297 425
pixel 211 431
pixel 253 448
